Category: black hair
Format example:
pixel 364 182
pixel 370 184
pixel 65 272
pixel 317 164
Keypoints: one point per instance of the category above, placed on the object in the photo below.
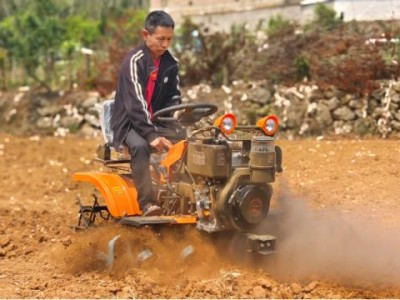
pixel 158 18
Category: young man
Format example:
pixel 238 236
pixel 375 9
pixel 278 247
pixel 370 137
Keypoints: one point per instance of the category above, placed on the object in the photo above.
pixel 148 81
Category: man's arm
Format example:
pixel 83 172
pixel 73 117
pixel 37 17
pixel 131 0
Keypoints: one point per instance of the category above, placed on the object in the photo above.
pixel 133 98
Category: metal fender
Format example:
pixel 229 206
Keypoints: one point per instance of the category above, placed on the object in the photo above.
pixel 118 191
pixel 174 154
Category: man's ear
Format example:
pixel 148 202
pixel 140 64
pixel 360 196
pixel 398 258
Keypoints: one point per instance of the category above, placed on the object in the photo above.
pixel 145 34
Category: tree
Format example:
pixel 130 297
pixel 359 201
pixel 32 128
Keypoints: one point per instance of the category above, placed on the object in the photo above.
pixel 33 38
pixel 121 33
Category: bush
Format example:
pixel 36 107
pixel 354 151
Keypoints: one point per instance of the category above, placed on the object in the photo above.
pixel 278 26
pixel 325 18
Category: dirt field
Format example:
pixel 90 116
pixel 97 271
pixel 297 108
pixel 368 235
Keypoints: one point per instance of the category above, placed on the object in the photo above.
pixel 338 231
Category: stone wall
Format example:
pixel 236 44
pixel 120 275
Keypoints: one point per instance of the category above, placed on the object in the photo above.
pixel 304 110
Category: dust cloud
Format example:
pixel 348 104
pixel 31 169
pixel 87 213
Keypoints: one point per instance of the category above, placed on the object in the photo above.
pixel 323 245
pixel 326 244
pixel 178 251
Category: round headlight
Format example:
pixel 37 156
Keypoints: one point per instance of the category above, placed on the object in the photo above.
pixel 270 125
pixel 226 123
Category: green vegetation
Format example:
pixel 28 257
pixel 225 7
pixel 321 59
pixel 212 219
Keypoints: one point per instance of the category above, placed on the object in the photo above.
pixel 278 25
pixel 40 40
pixel 325 17
pixel 58 44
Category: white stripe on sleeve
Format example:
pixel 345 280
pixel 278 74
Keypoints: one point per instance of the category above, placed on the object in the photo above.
pixel 136 84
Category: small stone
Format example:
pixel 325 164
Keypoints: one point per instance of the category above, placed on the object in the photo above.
pixel 344 113
pixel 265 283
pixel 311 286
pixel 4 241
pixel 258 292
pixel 296 288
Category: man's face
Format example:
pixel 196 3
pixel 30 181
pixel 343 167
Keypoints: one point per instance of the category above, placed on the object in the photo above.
pixel 158 41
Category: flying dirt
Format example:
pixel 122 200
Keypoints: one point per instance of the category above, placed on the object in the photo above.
pixel 333 212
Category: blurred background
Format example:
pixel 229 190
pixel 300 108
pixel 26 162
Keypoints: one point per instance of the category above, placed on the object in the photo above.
pixel 260 56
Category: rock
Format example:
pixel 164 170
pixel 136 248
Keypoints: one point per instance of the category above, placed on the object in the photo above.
pixel 94 110
pixel 323 117
pixel 4 241
pixel 71 121
pixel 332 103
pixel 88 131
pixel 328 94
pixel 378 94
pixel 357 103
pixel 347 98
pixel 360 113
pixel 66 241
pixel 396 86
pixel 42 239
pixel 265 283
pixel 260 95
pixel 41 101
pixel 258 292
pixel 397 116
pixel 365 125
pixel 344 113
pixel 47 111
pixel 378 112
pixel 396 98
pixel 226 89
pixel 9 116
pixel 311 286
pixel 394 107
pixel 90 102
pixel 44 123
pixel 342 127
pixel 296 288
pixel 92 120
pixel 287 294
pixel 312 108
pixel 395 125
pixel 3 252
pixel 295 113
pixel 372 105
pixel 28 251
pixel 316 96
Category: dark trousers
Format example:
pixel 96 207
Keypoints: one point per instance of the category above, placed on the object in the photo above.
pixel 140 165
pixel 140 160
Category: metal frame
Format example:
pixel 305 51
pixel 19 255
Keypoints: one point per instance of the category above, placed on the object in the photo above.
pixel 94 211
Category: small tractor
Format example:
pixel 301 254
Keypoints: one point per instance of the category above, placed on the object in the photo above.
pixel 216 177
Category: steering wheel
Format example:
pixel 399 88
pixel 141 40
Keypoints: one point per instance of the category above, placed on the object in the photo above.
pixel 190 113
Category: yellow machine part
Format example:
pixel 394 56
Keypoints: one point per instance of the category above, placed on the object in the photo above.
pixel 120 195
pixel 118 191
pixel 185 219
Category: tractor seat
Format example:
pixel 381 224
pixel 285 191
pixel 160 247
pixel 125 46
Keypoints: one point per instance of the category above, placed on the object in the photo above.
pixel 107 153
pixel 105 120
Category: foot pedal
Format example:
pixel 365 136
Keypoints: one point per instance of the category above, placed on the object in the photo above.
pixel 262 244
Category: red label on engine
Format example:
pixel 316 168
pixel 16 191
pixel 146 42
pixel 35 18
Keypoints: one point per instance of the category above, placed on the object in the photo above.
pixel 255 207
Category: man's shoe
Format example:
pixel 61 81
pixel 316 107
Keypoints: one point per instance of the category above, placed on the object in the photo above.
pixel 152 210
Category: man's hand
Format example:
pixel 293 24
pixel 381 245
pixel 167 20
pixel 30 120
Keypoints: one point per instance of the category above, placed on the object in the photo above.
pixel 178 113
pixel 161 143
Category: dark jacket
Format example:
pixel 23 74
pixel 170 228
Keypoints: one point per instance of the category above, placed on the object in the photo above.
pixel 130 107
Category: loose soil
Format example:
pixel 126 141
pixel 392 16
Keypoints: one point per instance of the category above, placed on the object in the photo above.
pixel 336 218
